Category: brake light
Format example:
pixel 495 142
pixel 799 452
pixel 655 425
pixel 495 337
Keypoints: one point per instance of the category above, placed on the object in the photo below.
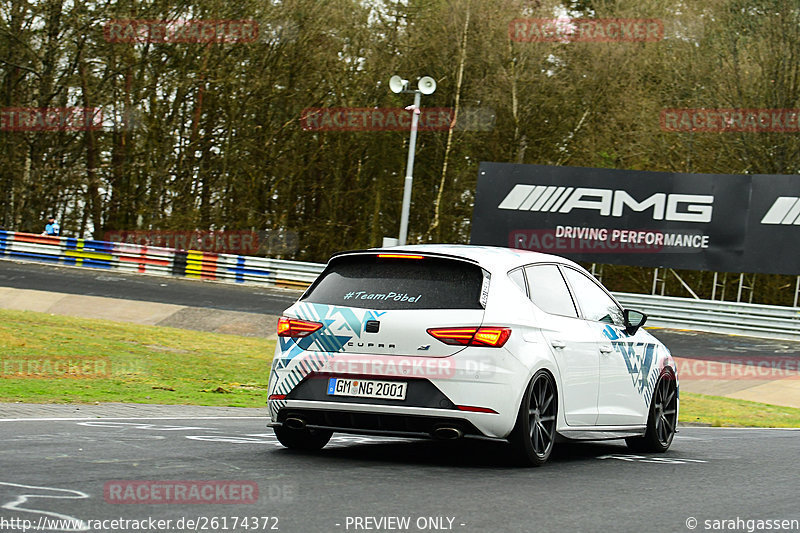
pixel 492 336
pixel 455 336
pixel 399 256
pixel 472 336
pixel 294 327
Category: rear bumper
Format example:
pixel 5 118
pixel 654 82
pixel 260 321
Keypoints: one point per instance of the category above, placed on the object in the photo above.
pixel 397 420
pixel 372 423
pixel 488 379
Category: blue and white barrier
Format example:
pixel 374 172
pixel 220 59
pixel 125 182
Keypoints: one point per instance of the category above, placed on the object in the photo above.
pixel 127 257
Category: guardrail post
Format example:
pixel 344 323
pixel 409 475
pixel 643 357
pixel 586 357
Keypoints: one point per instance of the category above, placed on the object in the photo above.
pixel 597 272
pixel 797 291
pixel 742 287
pixel 716 284
pixel 656 281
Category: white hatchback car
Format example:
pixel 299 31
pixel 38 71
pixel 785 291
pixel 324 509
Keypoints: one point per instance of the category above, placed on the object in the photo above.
pixel 452 341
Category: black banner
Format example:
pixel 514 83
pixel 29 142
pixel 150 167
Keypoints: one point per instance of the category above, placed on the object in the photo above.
pixel 719 222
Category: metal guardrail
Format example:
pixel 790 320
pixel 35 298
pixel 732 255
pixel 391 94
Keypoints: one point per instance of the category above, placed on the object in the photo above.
pixel 663 311
pixel 134 258
pixel 757 320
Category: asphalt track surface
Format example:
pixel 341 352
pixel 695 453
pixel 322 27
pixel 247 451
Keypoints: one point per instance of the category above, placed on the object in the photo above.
pixel 469 486
pixel 147 288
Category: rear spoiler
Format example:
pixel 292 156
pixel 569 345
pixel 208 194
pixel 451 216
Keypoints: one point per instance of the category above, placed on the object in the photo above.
pixel 401 251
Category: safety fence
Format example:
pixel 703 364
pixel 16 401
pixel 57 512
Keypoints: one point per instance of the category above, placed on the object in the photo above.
pixel 757 320
pixel 135 258
pixel 664 311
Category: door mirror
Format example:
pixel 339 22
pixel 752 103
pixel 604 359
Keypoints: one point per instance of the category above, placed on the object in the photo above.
pixel 634 320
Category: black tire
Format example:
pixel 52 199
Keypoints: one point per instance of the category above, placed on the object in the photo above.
pixel 662 421
pixel 303 439
pixel 534 435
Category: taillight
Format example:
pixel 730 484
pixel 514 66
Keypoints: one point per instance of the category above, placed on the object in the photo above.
pixel 294 327
pixel 472 336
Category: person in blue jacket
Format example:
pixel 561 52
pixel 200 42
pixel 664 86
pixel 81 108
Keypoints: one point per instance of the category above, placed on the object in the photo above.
pixel 52 228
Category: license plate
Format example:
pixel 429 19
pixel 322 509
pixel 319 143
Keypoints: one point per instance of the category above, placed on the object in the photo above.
pixel 367 388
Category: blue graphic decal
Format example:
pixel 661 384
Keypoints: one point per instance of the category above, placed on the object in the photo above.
pixel 614 333
pixel 297 358
pixel 340 326
pixel 639 357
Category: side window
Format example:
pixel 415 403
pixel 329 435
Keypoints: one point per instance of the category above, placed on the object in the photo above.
pixel 548 290
pixel 518 277
pixel 594 302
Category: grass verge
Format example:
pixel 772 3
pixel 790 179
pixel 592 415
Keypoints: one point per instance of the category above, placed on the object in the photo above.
pixel 61 359
pixel 718 411
pixel 119 362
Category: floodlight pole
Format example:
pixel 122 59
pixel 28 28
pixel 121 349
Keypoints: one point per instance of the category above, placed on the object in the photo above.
pixel 412 146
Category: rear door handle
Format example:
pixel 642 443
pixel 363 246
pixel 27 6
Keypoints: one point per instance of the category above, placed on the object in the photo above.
pixel 605 348
pixel 558 345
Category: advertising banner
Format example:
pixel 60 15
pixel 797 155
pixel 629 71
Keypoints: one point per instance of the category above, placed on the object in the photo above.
pixel 718 222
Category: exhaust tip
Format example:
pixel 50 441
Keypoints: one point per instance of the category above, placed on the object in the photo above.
pixel 447 433
pixel 294 423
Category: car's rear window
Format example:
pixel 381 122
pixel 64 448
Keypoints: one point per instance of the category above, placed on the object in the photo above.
pixel 386 283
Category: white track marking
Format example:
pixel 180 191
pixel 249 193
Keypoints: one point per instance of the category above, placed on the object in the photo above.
pixel 232 439
pixel 630 458
pixel 270 438
pixel 23 498
pixel 135 425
